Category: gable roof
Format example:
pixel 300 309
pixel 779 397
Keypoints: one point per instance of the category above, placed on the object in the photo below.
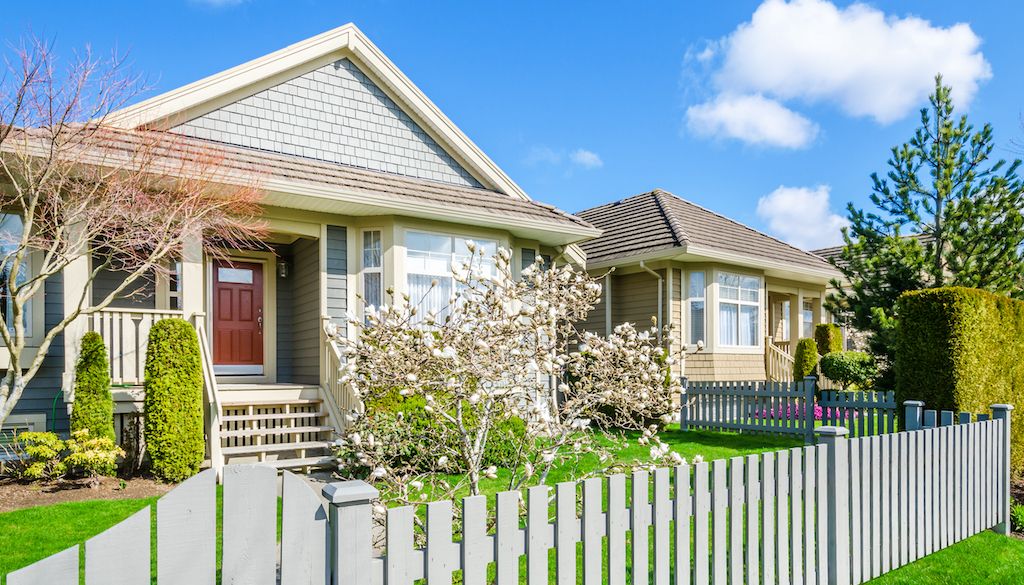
pixel 345 42
pixel 659 224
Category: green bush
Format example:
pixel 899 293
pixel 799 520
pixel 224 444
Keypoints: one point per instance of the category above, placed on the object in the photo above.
pixel 93 408
pixel 850 368
pixel 960 349
pixel 1017 518
pixel 829 338
pixel 42 456
pixel 805 358
pixel 45 456
pixel 174 401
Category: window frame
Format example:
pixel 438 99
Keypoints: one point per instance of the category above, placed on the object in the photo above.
pixel 365 270
pixel 446 273
pixel 35 309
pixel 690 299
pixel 739 302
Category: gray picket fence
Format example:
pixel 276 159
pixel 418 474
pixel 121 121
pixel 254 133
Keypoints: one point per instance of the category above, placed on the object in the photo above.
pixel 783 408
pixel 839 512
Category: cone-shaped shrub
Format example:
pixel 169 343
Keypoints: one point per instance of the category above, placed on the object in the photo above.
pixel 829 338
pixel 805 358
pixel 93 408
pixel 174 401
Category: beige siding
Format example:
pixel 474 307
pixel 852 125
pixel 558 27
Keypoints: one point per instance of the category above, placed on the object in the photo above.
pixel 721 367
pixel 635 299
pixel 595 321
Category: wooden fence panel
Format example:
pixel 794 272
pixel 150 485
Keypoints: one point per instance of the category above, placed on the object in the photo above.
pixel 58 569
pixel 303 533
pixel 618 523
pixel 593 531
pixel 250 525
pixel 186 532
pixel 120 555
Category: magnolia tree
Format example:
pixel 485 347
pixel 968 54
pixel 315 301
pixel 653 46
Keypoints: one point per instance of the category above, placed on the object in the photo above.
pixel 73 188
pixel 501 380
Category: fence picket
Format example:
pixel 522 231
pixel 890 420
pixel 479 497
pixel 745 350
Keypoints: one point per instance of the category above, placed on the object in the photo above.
pixel 809 501
pixel 662 519
pixel 303 533
pixel 701 520
pixel 617 526
pixel 477 548
pixel 683 509
pixel 186 540
pixel 508 540
pixel 768 517
pixel 640 521
pixel 782 516
pixel 856 514
pixel 593 529
pixel 875 466
pixel 796 515
pixel 442 553
pixel 736 494
pixel 398 565
pixel 822 510
pixel 566 533
pixel 58 569
pixel 250 525
pixel 120 555
pixel 719 509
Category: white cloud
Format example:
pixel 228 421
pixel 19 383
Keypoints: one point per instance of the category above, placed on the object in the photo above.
pixel 869 63
pixel 754 119
pixel 802 216
pixel 857 58
pixel 586 158
pixel 581 157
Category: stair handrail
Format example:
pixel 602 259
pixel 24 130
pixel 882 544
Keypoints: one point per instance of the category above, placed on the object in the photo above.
pixel 777 362
pixel 341 393
pixel 213 423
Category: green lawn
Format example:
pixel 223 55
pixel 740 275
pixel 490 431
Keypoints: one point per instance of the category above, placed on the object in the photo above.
pixel 35 533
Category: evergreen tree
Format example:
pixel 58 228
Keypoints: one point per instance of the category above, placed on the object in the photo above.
pixel 945 214
pixel 93 408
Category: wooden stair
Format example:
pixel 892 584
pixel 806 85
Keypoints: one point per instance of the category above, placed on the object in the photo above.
pixel 285 433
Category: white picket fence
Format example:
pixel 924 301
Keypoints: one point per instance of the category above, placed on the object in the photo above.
pixel 840 512
pixel 783 408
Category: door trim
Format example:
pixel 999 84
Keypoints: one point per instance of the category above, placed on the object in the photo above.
pixel 239 374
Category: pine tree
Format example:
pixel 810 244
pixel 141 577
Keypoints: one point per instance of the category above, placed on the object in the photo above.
pixel 945 214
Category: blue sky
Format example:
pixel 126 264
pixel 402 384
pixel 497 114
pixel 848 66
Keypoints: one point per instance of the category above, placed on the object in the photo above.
pixel 720 103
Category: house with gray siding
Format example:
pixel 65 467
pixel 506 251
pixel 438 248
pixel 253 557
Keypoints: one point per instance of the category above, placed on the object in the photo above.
pixel 367 186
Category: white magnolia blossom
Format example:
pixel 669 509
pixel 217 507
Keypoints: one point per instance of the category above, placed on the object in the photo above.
pixel 506 353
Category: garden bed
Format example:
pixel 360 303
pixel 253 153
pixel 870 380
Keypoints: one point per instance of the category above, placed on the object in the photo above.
pixel 15 495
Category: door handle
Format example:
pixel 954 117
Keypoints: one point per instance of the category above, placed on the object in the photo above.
pixel 259 321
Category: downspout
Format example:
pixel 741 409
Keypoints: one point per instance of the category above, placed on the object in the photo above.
pixel 661 304
pixel 608 304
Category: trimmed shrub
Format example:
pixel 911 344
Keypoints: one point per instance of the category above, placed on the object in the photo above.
pixel 850 368
pixel 93 408
pixel 44 456
pixel 805 358
pixel 829 338
pixel 174 401
pixel 960 349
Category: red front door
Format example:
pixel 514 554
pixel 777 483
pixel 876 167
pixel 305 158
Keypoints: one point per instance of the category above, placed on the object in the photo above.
pixel 238 318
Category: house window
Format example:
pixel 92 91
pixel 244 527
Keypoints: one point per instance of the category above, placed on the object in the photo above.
pixel 739 307
pixel 807 318
pixel 11 230
pixel 174 287
pixel 431 257
pixel 529 256
pixel 373 268
pixel 783 334
pixel 695 296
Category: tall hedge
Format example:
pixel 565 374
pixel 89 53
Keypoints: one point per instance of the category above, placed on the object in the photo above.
pixel 829 338
pixel 93 407
pixel 805 358
pixel 960 349
pixel 174 401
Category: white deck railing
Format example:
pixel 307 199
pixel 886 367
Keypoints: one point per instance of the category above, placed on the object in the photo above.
pixel 342 394
pixel 213 405
pixel 778 364
pixel 126 334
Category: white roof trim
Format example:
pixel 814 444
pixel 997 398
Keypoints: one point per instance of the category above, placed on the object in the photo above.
pixel 345 41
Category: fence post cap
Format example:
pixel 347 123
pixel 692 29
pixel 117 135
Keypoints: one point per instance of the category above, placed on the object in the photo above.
pixel 913 403
pixel 350 492
pixel 831 431
pixel 1000 407
pixel 809 378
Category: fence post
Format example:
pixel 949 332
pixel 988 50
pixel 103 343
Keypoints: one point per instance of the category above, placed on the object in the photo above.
pixel 351 530
pixel 838 498
pixel 684 406
pixel 1002 412
pixel 912 418
pixel 808 388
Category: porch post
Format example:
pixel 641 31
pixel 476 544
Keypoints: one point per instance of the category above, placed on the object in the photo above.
pixel 76 287
pixel 193 297
pixel 795 303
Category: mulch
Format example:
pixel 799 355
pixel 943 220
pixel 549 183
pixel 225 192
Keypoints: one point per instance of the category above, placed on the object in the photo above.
pixel 15 495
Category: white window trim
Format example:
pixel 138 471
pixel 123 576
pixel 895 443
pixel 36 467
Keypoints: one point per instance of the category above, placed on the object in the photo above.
pixel 364 270
pixel 689 308
pixel 451 235
pixel 758 335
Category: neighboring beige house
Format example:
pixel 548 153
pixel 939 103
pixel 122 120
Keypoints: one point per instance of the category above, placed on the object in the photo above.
pixel 743 294
pixel 368 186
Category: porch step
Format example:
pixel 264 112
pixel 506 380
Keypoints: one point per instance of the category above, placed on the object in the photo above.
pixel 275 448
pixel 323 461
pixel 276 431
pixel 272 416
pixel 262 403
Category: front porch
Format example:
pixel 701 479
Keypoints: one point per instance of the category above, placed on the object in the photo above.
pixel 262 318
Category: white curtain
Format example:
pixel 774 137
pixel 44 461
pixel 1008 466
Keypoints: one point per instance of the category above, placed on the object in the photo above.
pixel 429 299
pixel 728 318
pixel 748 325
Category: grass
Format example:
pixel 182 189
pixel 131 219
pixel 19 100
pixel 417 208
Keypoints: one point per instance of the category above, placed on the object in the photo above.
pixel 32 534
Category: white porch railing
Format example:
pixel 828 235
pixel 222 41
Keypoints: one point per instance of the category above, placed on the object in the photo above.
pixel 126 334
pixel 213 405
pixel 778 364
pixel 342 394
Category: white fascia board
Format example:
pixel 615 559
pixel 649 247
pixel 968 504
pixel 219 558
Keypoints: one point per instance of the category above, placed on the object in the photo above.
pixel 344 41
